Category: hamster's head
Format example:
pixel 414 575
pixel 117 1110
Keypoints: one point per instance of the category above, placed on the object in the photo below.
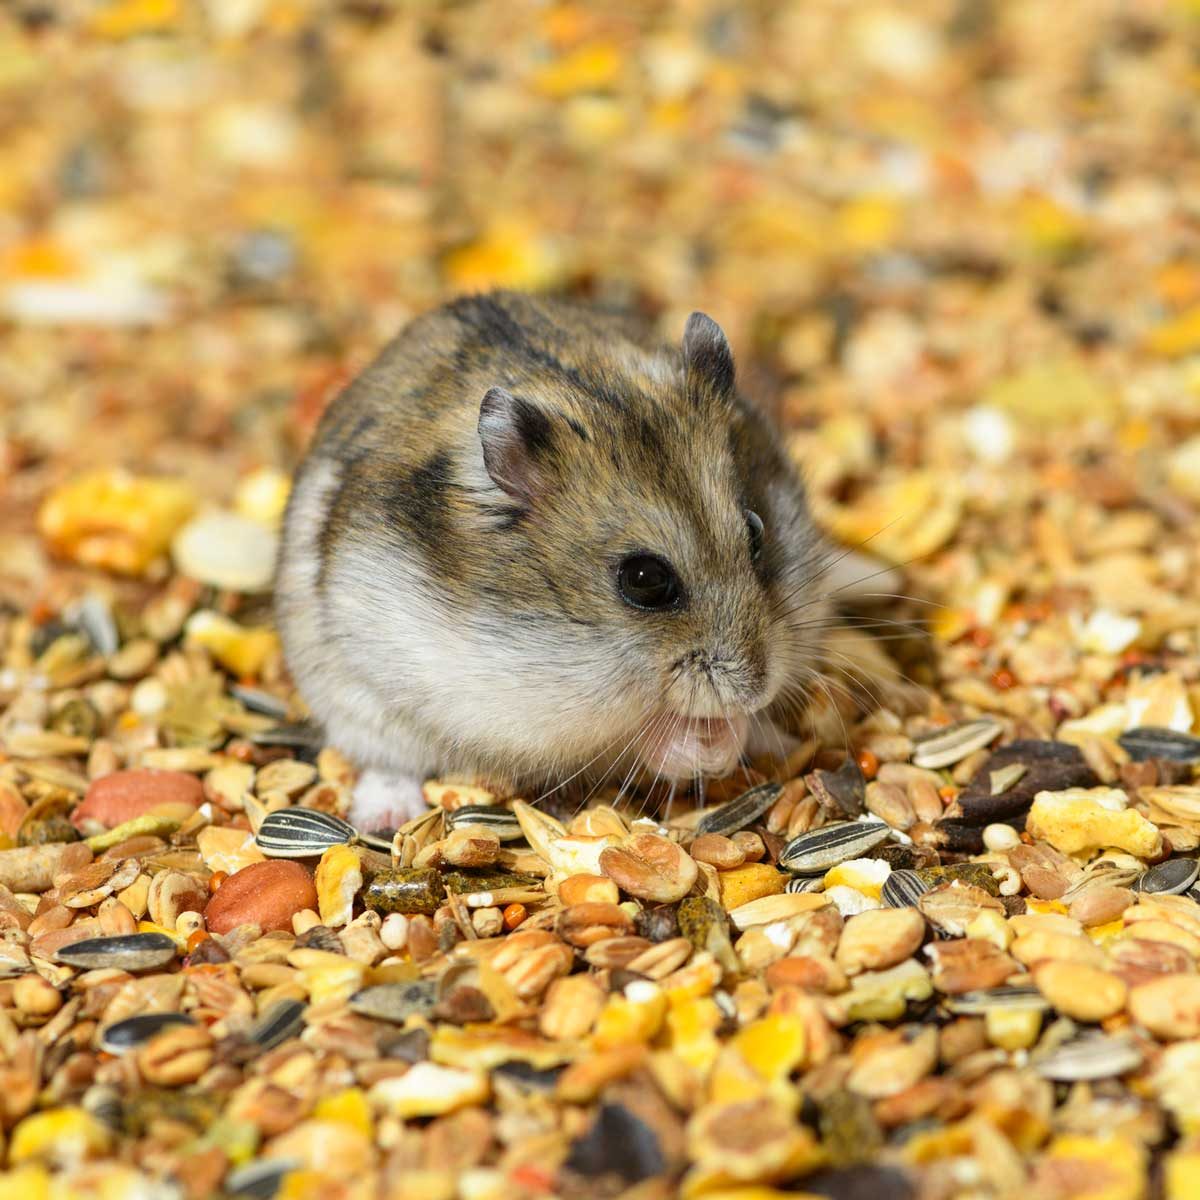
pixel 656 571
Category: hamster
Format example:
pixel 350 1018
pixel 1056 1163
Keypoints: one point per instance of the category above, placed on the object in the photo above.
pixel 533 546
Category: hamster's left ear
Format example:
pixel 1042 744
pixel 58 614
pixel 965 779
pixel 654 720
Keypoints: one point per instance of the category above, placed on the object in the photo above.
pixel 707 357
pixel 517 438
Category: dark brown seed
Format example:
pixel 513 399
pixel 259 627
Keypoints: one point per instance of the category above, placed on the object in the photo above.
pixel 1050 767
pixel 843 791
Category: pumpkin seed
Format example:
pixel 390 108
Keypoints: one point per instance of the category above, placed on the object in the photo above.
pixel 815 852
pixel 1089 1056
pixel 1168 878
pixel 125 952
pixel 1011 999
pixel 742 811
pixel 129 1034
pixel 945 747
pixel 902 889
pixel 301 833
pixel 283 1020
pixel 1148 742
pixel 500 820
pixel 395 1001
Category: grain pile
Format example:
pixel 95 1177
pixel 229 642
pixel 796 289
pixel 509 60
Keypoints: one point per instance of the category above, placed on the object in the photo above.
pixel 948 949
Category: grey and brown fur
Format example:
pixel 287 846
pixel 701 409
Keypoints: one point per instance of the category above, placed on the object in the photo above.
pixel 446 591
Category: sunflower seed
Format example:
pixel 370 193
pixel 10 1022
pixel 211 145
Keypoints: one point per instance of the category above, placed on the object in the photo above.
pixel 1168 878
pixel 301 833
pixel 843 791
pixel 94 617
pixel 299 735
pixel 129 1034
pixel 258 701
pixel 1011 999
pixel 395 1001
pixel 815 852
pixel 260 1180
pixel 500 820
pixel 1149 742
pixel 740 812
pixel 902 889
pixel 283 1020
pixel 1090 1056
pixel 945 747
pixel 805 883
pixel 125 952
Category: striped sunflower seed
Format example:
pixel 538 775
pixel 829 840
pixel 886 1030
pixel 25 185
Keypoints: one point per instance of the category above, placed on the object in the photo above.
pixel 125 952
pixel 948 746
pixel 902 889
pixel 740 812
pixel 1149 742
pixel 1090 1056
pixel 815 852
pixel 301 833
pixel 1168 878
pixel 123 1036
pixel 500 820
pixel 283 1020
pixel 805 883
pixel 297 735
pixel 1011 999
pixel 258 701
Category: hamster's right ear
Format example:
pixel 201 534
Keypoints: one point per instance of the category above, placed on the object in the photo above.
pixel 517 438
pixel 707 357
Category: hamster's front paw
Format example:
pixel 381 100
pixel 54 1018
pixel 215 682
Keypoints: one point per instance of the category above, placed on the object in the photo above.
pixel 385 801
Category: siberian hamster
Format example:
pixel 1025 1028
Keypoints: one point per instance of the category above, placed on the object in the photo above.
pixel 532 545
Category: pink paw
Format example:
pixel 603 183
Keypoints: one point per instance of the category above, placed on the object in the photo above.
pixel 383 801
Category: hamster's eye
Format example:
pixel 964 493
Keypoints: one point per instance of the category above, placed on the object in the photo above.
pixel 647 582
pixel 755 526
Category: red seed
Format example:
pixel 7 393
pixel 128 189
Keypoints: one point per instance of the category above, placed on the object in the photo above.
pixel 868 763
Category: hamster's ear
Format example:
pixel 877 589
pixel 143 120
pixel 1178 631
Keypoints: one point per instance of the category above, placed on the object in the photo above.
pixel 515 436
pixel 706 354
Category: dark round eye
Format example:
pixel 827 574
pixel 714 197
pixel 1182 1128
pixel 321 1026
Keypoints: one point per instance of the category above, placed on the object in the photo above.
pixel 755 526
pixel 645 581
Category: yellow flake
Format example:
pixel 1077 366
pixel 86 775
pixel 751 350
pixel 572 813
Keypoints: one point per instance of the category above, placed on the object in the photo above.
pixel 1182 1175
pixel 759 1059
pixel 510 253
pixel 1077 820
pixel 868 222
pixel 1102 1168
pixel 1053 394
pixel 751 882
pixel 262 496
pixel 1047 226
pixel 338 878
pixel 31 1182
pixel 590 68
pixel 332 981
pixel 59 1135
pixel 151 927
pixel 241 649
pixel 349 1106
pixel 1178 336
pixel 901 519
pixel 114 520
pixel 866 875
pixel 128 18
pixel 1012 1029
pixel 224 848
pixel 631 1018
pixel 692 1022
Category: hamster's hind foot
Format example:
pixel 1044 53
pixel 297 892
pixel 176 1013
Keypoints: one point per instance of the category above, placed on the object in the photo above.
pixel 385 801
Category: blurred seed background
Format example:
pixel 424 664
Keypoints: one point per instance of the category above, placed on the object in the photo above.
pixel 213 212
